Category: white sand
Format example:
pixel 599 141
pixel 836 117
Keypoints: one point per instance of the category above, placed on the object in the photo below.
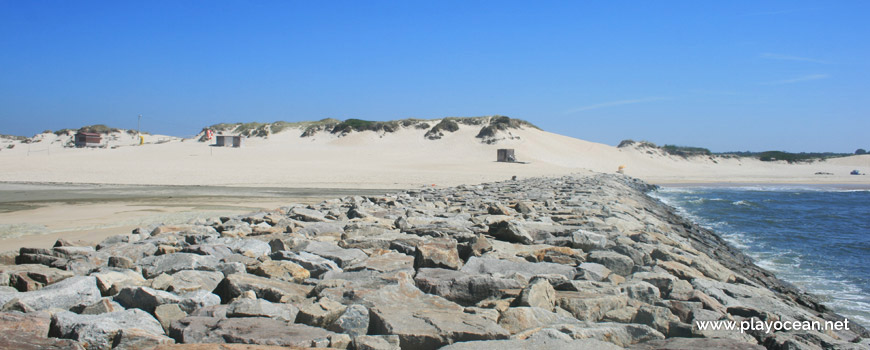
pixel 404 159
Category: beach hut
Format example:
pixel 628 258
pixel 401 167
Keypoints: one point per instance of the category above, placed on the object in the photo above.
pixel 88 139
pixel 506 155
pixel 228 141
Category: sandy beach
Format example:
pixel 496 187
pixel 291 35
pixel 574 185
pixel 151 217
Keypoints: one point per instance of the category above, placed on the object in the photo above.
pixel 37 215
pixel 51 191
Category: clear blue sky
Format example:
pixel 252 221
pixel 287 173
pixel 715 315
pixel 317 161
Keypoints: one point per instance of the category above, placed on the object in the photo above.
pixel 727 75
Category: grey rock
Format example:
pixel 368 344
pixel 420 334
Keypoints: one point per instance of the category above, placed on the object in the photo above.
pixel 249 247
pixel 519 319
pixel 272 290
pixel 439 253
pixel 655 316
pixel 388 262
pixel 342 257
pixel 594 271
pixel 588 241
pixel 640 290
pixel 425 321
pixel 167 313
pixel 145 298
pixel 198 299
pixel 172 263
pixel 99 331
pixel 279 270
pixel 317 229
pixel 316 265
pixel 354 321
pixel 307 215
pixel 137 339
pixel 589 306
pixel 105 305
pixel 262 308
pixel 249 330
pixel 111 282
pixel 320 313
pixel 505 268
pixel 618 263
pixel 461 287
pixel 376 342
pixel 191 280
pixel 40 275
pixel 539 293
pixel 22 341
pixel 229 268
pixel 70 292
pixel 510 231
pixel 619 334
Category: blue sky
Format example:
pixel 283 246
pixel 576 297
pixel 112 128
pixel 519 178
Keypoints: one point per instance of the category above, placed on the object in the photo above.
pixel 735 75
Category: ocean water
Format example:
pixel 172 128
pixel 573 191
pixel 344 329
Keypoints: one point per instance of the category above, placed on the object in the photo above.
pixel 817 238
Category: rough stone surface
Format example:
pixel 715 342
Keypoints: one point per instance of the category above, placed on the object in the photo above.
pixel 70 292
pixel 275 291
pixel 423 321
pixel 99 331
pixel 262 308
pixel 249 330
pixel 440 254
pixel 461 287
pixel 376 342
pixel 354 321
pixel 538 263
pixel 171 263
pixel 539 293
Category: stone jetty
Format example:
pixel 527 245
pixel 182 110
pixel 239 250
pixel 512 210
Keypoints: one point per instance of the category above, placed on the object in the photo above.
pixel 579 262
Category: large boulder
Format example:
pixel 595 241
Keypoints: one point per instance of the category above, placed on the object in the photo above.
pixel 111 282
pixel 342 257
pixel 618 263
pixel 463 288
pixel 30 277
pixel 280 270
pixel 23 341
pixel 519 319
pixel 507 268
pixel 440 253
pixel 73 291
pixel 172 263
pixel 354 321
pixel 315 265
pixel 539 293
pixel 99 331
pixel 261 308
pixel 272 290
pixel 145 298
pixel 249 330
pixel 510 231
pixel 424 321
pixel 32 324
pixel 189 280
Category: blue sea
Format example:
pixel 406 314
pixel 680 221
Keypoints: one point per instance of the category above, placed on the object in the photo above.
pixel 816 237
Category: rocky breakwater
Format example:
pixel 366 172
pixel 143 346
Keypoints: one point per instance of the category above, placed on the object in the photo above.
pixel 586 262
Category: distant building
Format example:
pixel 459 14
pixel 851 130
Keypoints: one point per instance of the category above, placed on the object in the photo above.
pixel 228 141
pixel 88 139
pixel 506 155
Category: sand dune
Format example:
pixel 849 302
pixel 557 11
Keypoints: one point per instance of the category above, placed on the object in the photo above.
pixel 401 159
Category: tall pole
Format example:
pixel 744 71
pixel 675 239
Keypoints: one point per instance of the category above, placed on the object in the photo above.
pixel 138 124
